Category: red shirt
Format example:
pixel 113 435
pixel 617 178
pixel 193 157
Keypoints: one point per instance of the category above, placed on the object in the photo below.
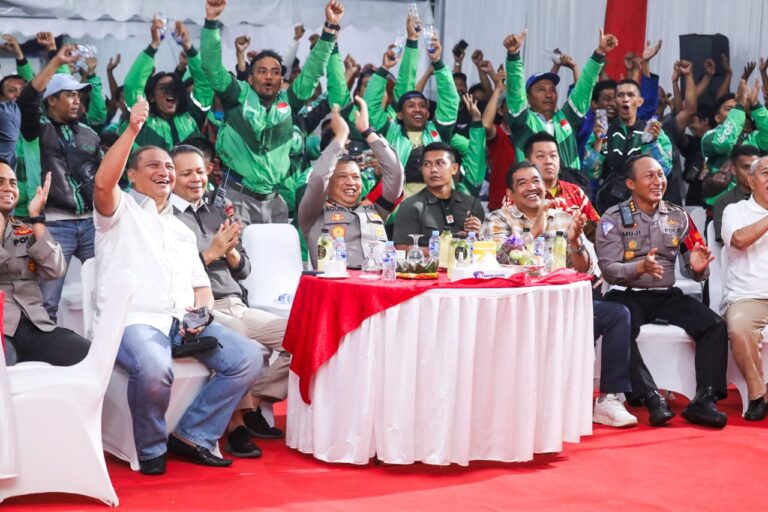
pixel 501 155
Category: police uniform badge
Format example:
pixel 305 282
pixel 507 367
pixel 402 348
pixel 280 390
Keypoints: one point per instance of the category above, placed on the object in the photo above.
pixel 338 231
pixel 337 217
pixel 632 245
pixel 22 230
pixel 629 255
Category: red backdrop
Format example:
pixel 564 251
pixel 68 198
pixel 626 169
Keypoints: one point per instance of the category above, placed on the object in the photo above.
pixel 626 20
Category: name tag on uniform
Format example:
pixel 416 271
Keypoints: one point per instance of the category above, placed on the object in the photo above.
pixel 449 219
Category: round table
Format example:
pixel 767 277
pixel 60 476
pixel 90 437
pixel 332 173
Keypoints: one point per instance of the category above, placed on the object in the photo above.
pixel 450 376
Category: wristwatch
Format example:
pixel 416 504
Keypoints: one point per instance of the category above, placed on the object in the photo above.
pixel 40 219
pixel 332 26
pixel 367 132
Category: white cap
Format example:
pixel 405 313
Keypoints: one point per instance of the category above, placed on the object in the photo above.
pixel 64 82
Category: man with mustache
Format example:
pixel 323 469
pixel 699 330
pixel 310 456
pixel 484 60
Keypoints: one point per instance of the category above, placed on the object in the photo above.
pixel 638 243
pixel 53 140
pixel 255 141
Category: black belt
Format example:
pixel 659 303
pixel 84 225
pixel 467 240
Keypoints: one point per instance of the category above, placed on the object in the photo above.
pixel 231 175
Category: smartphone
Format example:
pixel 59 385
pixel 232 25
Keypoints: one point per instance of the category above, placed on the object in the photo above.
pixel 196 318
pixel 460 47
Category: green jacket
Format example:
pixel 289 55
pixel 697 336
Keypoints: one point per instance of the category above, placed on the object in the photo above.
pixel 716 144
pixel 255 140
pixel 524 122
pixel 158 131
pixel 622 144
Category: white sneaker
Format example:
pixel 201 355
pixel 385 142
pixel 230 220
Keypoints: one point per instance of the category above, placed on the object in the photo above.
pixel 609 410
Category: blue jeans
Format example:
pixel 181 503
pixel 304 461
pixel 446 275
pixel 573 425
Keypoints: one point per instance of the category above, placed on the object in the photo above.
pixel 612 322
pixel 145 353
pixel 76 239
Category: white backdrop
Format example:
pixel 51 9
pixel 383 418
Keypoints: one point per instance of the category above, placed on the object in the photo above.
pixel 369 26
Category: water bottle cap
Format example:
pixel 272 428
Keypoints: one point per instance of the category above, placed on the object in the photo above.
pixel 435 233
pixel 559 233
pixel 324 230
pixel 526 230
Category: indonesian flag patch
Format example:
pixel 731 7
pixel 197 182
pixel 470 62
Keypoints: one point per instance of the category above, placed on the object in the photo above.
pixel 283 107
pixel 565 125
pixel 434 134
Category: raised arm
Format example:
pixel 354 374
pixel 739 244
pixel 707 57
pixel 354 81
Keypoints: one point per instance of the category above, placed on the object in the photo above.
pixel 111 65
pixel 489 114
pixel 97 107
pixel 406 75
pixel 290 55
pixel 210 47
pixel 578 102
pixel 447 95
pixel 691 102
pixel 725 85
pixel 23 69
pixel 303 87
pixel 393 174
pixel 141 70
pixel 377 88
pixel 517 100
pixel 106 194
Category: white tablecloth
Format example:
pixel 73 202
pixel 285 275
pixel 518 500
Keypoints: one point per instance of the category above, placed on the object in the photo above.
pixel 452 376
pixel 8 463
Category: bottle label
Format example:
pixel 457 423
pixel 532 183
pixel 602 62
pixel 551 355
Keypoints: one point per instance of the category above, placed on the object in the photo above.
pixel 321 252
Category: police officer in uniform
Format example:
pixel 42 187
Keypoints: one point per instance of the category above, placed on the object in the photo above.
pixel 638 243
pixel 29 252
pixel 332 197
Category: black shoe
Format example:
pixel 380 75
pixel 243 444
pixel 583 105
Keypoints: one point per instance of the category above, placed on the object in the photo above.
pixel 756 410
pixel 239 444
pixel 702 409
pixel 658 408
pixel 258 426
pixel 154 466
pixel 196 454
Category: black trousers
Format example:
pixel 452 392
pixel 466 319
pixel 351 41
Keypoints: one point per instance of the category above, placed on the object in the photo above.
pixel 59 347
pixel 707 329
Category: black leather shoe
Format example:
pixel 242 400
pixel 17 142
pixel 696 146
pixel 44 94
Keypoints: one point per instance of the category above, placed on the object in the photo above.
pixel 154 466
pixel 196 454
pixel 702 409
pixel 239 444
pixel 658 408
pixel 258 426
pixel 756 410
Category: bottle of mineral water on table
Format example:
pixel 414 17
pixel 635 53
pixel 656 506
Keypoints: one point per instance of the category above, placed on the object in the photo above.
pixel 434 246
pixel 389 262
pixel 340 253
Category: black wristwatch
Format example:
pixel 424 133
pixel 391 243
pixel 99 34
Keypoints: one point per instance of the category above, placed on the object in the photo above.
pixel 332 26
pixel 367 132
pixel 40 219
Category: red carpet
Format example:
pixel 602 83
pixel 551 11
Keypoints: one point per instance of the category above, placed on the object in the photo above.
pixel 678 467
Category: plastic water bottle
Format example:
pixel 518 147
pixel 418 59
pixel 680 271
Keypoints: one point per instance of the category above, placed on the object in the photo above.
pixel 429 32
pixel 164 20
pixel 647 135
pixel 176 35
pixel 434 246
pixel 389 262
pixel 324 249
pixel 84 51
pixel 413 12
pixel 542 254
pixel 601 116
pixel 399 44
pixel 471 239
pixel 559 251
pixel 528 241
pixel 445 247
pixel 340 253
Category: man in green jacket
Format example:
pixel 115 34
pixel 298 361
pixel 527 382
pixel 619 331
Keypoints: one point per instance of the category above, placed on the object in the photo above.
pixel 255 141
pixel 173 116
pixel 532 104
pixel 730 114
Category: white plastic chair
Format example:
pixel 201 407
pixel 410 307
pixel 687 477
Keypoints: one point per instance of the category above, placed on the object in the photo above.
pixel 70 313
pixel 117 428
pixel 276 265
pixel 67 455
pixel 716 270
pixel 669 354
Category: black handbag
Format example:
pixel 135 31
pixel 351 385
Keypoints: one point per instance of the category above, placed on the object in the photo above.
pixel 194 344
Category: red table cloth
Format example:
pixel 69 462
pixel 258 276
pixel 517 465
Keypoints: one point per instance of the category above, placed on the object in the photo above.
pixel 325 310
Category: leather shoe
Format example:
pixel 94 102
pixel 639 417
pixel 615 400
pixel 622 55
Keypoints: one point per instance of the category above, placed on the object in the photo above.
pixel 756 410
pixel 154 466
pixel 196 454
pixel 702 409
pixel 658 408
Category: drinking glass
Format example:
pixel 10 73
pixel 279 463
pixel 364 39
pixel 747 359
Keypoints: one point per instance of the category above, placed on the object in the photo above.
pixel 414 256
pixel 371 268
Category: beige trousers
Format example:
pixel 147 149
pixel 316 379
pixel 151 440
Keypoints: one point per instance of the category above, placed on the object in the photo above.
pixel 746 319
pixel 266 328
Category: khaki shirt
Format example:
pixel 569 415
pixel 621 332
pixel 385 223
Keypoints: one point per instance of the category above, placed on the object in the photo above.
pixel 620 248
pixel 23 261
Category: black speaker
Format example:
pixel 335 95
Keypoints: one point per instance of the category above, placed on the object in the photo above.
pixel 699 47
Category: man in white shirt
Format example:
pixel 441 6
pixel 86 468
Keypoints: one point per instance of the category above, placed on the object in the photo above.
pixel 745 296
pixel 139 232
